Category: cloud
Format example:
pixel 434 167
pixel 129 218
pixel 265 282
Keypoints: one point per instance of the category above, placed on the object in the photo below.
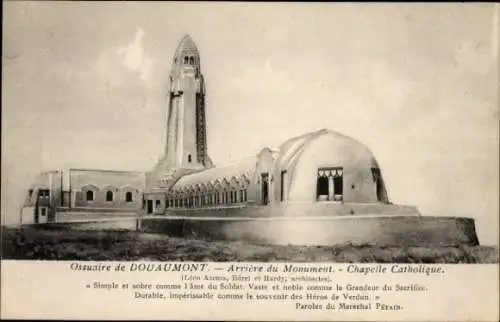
pixel 134 57
pixel 116 65
pixel 263 78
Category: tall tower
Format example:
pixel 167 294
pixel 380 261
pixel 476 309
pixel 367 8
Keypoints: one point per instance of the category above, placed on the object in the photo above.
pixel 186 145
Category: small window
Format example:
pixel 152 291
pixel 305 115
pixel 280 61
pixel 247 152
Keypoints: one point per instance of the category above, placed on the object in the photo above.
pixel 186 60
pixel 109 195
pixel 189 158
pixel 338 186
pixel 191 60
pixel 322 188
pixel 283 185
pixel 90 195
pixel 128 197
pixel 30 192
pixel 377 178
pixel 44 211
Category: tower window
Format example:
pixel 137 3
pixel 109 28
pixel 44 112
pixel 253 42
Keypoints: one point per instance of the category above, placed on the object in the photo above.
pixel 90 195
pixel 186 60
pixel 128 197
pixel 109 196
pixel 191 60
pixel 189 158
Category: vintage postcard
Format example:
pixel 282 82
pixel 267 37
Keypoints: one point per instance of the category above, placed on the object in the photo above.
pixel 250 161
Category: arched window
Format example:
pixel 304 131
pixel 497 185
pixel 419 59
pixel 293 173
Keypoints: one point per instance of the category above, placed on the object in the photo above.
pixel 128 197
pixel 109 195
pixel 186 60
pixel 90 195
pixel 338 185
pixel 322 187
pixel 189 158
pixel 191 60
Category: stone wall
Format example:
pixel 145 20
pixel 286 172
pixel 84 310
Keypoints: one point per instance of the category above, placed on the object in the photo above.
pixel 312 209
pixel 375 230
pixel 298 209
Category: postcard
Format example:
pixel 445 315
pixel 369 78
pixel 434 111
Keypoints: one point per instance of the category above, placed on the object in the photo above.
pixel 250 161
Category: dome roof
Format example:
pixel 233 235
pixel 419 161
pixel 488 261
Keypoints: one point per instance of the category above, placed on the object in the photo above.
pixel 292 148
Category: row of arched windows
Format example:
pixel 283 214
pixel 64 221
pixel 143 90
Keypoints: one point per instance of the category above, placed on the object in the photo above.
pixel 210 199
pixel 110 196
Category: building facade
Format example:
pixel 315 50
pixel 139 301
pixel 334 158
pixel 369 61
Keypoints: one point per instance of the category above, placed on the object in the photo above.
pixel 82 193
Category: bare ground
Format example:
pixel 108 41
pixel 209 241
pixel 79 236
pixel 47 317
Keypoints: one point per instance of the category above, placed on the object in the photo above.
pixel 35 244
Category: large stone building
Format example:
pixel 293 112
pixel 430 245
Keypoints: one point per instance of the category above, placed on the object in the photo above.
pixel 315 172
pixel 320 187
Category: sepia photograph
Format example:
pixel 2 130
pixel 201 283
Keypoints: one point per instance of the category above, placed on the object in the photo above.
pixel 250 132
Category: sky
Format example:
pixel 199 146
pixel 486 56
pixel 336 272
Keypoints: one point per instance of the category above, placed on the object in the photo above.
pixel 84 85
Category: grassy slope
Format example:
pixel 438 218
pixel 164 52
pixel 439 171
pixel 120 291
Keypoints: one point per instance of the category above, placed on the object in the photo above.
pixel 30 243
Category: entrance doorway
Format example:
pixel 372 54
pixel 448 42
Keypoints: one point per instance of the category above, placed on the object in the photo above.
pixel 265 188
pixel 150 207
